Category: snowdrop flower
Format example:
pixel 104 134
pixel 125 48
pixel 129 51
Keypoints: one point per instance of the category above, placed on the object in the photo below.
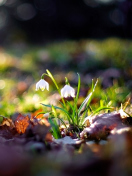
pixel 67 90
pixel 46 115
pixel 42 84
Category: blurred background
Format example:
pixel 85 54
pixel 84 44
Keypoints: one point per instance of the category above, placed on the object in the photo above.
pixel 41 21
pixel 89 37
pixel 92 37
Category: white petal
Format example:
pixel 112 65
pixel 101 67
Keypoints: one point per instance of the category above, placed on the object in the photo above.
pixel 73 93
pixel 47 86
pixel 62 92
pixel 67 91
pixel 37 86
pixel 42 84
pixel 46 115
pixel 66 94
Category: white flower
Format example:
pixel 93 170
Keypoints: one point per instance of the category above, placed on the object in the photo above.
pixel 67 91
pixel 46 115
pixel 42 84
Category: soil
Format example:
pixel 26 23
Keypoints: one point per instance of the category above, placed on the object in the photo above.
pixel 28 148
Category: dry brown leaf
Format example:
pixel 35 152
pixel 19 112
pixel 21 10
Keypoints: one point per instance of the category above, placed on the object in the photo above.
pixel 8 122
pixel 41 119
pixel 21 123
pixel 35 114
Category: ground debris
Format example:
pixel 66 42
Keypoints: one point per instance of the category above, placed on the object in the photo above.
pixel 102 125
pixel 68 140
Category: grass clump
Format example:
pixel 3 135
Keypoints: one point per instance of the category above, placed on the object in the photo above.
pixel 69 110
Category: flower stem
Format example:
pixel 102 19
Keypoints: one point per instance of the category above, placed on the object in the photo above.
pixel 52 78
pixel 42 77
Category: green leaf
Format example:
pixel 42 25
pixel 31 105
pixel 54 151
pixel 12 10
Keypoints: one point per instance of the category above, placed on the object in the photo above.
pixel 40 113
pixel 62 104
pixel 84 103
pixel 56 116
pixel 55 128
pixel 87 100
pixel 78 88
pixel 72 116
pixel 100 109
pixel 51 76
pixel 95 85
pixel 56 107
pixel 63 110
pixel 54 111
pixel 75 109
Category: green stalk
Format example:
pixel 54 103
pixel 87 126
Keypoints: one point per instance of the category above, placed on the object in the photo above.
pixel 52 78
pixel 76 99
pixel 72 116
pixel 64 110
pixel 56 116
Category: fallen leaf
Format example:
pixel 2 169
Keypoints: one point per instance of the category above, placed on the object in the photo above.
pixel 37 115
pixel 101 125
pixel 38 118
pixel 8 122
pixel 21 123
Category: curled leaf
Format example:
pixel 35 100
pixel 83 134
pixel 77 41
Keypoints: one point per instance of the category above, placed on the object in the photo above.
pixel 101 125
pixel 8 122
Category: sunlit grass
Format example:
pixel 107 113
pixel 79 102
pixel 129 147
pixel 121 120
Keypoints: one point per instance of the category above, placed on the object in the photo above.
pixel 19 73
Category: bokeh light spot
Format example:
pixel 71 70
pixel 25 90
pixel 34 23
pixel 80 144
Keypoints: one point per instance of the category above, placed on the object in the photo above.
pixel 104 1
pixel 26 11
pixel 91 3
pixel 2 2
pixel 3 18
pixel 2 84
pixel 10 2
pixel 117 17
pixel 36 98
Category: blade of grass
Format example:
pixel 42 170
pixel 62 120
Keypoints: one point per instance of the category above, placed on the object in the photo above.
pixel 73 112
pixel 52 78
pixel 82 107
pixel 55 128
pixel 75 109
pixel 87 100
pixel 56 107
pixel 100 109
pixel 40 113
pixel 56 116
pixel 78 88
